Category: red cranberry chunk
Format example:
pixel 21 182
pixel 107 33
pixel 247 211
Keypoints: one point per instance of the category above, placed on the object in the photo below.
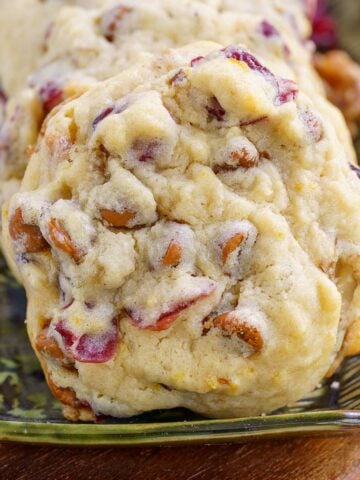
pixel 167 313
pixel 324 33
pixel 215 110
pixel 90 348
pixel 3 96
pixel 242 56
pixel 196 60
pixel 51 95
pixel 68 337
pixel 99 348
pixel 103 114
pixel 145 150
pixel 286 89
pixel 112 109
pixel 287 92
pixel 355 168
pixel 268 30
pixel 111 20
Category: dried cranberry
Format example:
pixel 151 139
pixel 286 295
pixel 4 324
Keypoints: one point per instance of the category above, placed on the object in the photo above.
pixel 3 96
pixel 196 60
pixel 111 20
pixel 324 33
pixel 103 114
pixel 68 337
pixel 253 63
pixel 287 91
pixel 145 151
pixel 268 30
pixel 51 95
pixel 215 110
pixel 97 348
pixel 106 112
pixel 324 27
pixel 355 168
pixel 166 318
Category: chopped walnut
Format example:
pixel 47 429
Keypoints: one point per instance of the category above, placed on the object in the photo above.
pixel 341 76
pixel 61 239
pixel 28 238
pixel 231 324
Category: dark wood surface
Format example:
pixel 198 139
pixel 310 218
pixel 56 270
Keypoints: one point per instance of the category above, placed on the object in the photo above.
pixel 336 458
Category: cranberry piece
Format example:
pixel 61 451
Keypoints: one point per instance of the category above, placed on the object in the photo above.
pixel 111 19
pixel 287 92
pixel 355 168
pixel 90 348
pixel 3 96
pixel 145 151
pixel 112 109
pixel 286 89
pixel 51 95
pixel 166 318
pixel 215 110
pixel 268 30
pixel 67 335
pixel 196 60
pixel 324 28
pixel 246 123
pixel 324 33
pixel 246 57
pixel 105 113
pixel 93 348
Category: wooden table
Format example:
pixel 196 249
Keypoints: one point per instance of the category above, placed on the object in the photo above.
pixel 335 458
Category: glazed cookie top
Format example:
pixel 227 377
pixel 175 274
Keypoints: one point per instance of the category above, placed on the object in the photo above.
pixel 198 198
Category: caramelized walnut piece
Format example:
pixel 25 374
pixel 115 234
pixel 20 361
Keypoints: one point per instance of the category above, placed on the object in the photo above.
pixel 231 245
pixel 230 324
pixel 66 395
pixel 224 381
pixel 61 239
pixel 48 346
pixel 112 19
pixel 117 219
pixel 243 159
pixel 172 256
pixel 29 236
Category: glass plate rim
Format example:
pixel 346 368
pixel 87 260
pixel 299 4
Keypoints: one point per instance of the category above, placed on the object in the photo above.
pixel 171 433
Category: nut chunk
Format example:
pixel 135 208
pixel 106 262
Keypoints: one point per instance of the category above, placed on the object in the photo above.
pixel 27 238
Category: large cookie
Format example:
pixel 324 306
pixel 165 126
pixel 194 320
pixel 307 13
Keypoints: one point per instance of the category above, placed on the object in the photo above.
pixel 188 235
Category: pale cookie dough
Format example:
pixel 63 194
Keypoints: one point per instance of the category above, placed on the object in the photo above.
pixel 188 234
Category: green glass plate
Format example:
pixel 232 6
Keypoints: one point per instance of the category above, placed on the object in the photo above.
pixel 29 413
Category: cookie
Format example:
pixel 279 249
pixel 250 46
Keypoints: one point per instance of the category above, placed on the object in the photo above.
pixel 76 43
pixel 188 235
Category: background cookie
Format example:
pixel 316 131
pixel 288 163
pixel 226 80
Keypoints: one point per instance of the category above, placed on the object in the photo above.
pixel 182 238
